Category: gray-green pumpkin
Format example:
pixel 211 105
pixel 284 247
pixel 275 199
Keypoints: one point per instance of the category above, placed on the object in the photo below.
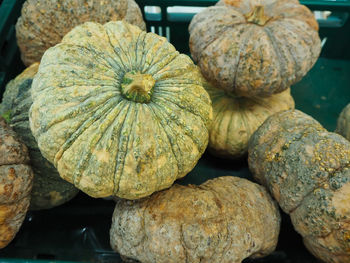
pixel 343 123
pixel 49 190
pixel 119 111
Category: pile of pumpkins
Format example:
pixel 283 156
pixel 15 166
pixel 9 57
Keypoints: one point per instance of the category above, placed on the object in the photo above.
pixel 111 110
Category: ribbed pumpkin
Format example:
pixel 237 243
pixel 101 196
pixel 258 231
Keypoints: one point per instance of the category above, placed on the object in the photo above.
pixel 119 111
pixel 223 220
pixel 236 118
pixel 343 123
pixel 253 47
pixel 49 190
pixel 43 23
pixel 307 170
pixel 16 178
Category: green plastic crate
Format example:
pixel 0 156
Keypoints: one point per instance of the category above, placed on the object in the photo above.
pixel 79 230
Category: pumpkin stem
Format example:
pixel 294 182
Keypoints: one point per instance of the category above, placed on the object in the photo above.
pixel 137 87
pixel 257 16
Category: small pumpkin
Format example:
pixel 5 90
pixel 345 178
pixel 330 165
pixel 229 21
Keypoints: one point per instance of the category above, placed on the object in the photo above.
pixel 343 123
pixel 254 48
pixel 43 23
pixel 49 190
pixel 223 220
pixel 16 178
pixel 236 118
pixel 307 170
pixel 119 111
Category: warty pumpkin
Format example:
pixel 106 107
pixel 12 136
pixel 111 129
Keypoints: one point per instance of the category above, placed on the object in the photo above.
pixel 43 23
pixel 343 123
pixel 16 178
pixel 119 111
pixel 307 170
pixel 49 189
pixel 236 118
pixel 223 220
pixel 254 48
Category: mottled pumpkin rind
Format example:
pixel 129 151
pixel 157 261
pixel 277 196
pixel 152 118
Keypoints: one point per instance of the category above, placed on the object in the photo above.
pixel 236 118
pixel 102 142
pixel 43 23
pixel 307 170
pixel 343 123
pixel 248 60
pixel 16 179
pixel 223 220
pixel 49 190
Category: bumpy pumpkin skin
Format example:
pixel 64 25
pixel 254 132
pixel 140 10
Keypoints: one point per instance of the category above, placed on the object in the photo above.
pixel 16 178
pixel 43 23
pixel 119 111
pixel 343 123
pixel 307 170
pixel 223 220
pixel 49 190
pixel 235 120
pixel 254 54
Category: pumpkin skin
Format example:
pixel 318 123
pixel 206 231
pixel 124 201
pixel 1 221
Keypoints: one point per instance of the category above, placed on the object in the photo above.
pixel 343 123
pixel 16 178
pixel 307 170
pixel 49 190
pixel 235 120
pixel 224 220
pixel 254 48
pixel 119 111
pixel 43 23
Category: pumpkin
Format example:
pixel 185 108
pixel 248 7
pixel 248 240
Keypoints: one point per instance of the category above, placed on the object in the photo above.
pixel 223 220
pixel 119 111
pixel 16 178
pixel 43 23
pixel 254 48
pixel 236 118
pixel 343 123
pixel 307 170
pixel 49 190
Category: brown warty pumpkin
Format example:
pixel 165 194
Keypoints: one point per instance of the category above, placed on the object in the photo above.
pixel 254 48
pixel 223 220
pixel 16 178
pixel 43 23
pixel 307 170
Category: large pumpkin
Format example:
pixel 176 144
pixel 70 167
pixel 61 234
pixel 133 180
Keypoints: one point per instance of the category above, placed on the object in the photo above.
pixel 223 220
pixel 236 118
pixel 343 122
pixel 307 170
pixel 119 111
pixel 253 47
pixel 49 190
pixel 43 23
pixel 16 179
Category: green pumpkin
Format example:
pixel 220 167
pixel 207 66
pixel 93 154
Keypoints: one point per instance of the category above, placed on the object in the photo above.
pixel 119 111
pixel 235 119
pixel 49 190
pixel 343 123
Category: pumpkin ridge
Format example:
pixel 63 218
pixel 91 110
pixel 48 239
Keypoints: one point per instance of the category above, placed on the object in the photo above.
pixel 220 114
pixel 105 108
pixel 243 45
pixel 155 68
pixel 123 146
pixel 167 130
pixel 92 143
pixel 189 110
pixel 138 59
